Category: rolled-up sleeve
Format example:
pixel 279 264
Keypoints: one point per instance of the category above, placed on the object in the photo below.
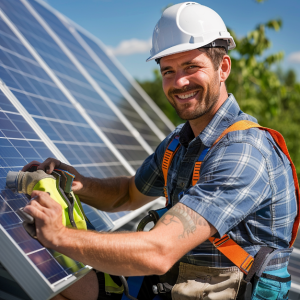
pixel 234 181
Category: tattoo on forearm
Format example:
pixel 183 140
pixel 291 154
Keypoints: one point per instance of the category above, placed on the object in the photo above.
pixel 186 216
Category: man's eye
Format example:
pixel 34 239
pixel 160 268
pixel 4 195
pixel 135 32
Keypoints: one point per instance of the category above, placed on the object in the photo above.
pixel 167 73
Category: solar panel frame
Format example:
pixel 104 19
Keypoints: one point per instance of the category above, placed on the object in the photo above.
pixel 21 267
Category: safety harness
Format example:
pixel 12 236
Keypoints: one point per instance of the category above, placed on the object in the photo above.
pixel 235 253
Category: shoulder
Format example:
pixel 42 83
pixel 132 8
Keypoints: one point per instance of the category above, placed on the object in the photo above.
pixel 253 137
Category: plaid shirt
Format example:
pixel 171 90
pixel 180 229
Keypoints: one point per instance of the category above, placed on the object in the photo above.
pixel 246 186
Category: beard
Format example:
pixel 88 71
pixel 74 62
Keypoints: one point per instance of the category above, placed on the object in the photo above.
pixel 205 100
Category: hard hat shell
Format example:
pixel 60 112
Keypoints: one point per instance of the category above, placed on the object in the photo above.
pixel 187 26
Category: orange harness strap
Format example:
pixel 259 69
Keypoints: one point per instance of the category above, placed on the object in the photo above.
pixel 225 245
pixel 167 160
pixel 282 145
pixel 235 253
pixel 278 138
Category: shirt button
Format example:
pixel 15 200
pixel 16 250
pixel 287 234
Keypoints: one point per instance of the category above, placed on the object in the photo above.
pixel 182 184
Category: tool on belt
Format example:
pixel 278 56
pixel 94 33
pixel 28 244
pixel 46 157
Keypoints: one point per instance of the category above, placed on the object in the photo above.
pixel 249 265
pixel 58 185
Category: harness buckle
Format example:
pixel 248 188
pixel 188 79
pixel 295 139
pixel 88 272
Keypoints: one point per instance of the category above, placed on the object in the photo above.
pixel 221 241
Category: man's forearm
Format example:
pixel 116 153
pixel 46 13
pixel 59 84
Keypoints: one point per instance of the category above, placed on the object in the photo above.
pixel 109 194
pixel 126 253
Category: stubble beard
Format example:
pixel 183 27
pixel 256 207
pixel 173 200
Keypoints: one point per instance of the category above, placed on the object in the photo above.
pixel 204 104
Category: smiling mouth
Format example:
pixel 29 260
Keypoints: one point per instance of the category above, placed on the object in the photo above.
pixel 186 96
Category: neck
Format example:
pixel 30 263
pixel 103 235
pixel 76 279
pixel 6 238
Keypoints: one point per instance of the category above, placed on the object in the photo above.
pixel 199 124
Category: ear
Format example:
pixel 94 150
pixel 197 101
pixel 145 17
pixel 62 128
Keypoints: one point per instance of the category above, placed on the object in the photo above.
pixel 225 68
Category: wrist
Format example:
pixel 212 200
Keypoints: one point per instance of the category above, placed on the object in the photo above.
pixel 81 185
pixel 58 239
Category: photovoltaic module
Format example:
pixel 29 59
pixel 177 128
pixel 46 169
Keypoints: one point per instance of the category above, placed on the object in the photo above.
pixel 63 96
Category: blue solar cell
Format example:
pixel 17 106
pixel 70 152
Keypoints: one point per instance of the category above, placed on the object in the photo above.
pixel 118 215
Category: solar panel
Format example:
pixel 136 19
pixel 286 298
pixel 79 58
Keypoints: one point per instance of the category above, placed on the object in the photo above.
pixel 127 82
pixel 20 144
pixel 74 82
pixel 72 135
pixel 50 107
pixel 90 61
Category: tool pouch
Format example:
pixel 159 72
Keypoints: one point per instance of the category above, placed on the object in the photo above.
pixel 200 282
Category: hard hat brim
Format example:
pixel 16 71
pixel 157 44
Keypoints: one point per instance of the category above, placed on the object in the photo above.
pixel 186 47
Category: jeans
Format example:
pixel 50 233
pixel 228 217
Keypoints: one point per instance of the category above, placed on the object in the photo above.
pixel 265 288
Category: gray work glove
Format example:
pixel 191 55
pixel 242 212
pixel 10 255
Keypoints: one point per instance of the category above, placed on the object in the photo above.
pixel 24 182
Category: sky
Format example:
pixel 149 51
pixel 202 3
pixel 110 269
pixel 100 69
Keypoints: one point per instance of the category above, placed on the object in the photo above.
pixel 126 26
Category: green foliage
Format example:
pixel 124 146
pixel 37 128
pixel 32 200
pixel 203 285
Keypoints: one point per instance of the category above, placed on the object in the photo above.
pixel 262 90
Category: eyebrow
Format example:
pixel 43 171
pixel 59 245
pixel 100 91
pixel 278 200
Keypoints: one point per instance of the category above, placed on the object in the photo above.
pixel 188 63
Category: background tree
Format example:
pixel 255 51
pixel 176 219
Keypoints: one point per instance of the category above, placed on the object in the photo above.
pixel 260 87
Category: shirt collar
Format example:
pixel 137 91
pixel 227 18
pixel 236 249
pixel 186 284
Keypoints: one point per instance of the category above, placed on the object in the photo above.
pixel 224 117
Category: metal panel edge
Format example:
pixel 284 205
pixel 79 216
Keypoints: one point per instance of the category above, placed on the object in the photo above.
pixel 25 272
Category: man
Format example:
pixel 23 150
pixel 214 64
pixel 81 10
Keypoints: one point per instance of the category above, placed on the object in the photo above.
pixel 246 186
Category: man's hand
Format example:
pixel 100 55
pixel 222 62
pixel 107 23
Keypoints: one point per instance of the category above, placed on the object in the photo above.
pixel 107 194
pixel 51 163
pixel 48 218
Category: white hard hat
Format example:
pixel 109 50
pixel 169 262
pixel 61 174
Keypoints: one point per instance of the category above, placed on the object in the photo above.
pixel 187 26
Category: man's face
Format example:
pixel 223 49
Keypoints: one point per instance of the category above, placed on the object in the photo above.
pixel 190 83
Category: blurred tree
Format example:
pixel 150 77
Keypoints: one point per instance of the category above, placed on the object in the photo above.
pixel 269 94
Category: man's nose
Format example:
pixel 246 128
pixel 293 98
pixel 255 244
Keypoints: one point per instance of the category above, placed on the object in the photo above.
pixel 181 80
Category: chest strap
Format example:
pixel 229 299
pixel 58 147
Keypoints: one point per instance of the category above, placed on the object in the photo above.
pixel 236 254
pixel 167 160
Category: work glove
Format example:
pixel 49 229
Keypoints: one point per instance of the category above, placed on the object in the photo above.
pixel 24 182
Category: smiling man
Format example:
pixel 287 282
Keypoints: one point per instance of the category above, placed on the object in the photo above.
pixel 236 185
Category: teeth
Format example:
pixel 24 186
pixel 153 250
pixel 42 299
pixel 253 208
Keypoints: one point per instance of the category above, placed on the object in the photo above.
pixel 186 95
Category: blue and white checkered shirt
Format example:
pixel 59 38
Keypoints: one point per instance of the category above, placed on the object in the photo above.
pixel 246 186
